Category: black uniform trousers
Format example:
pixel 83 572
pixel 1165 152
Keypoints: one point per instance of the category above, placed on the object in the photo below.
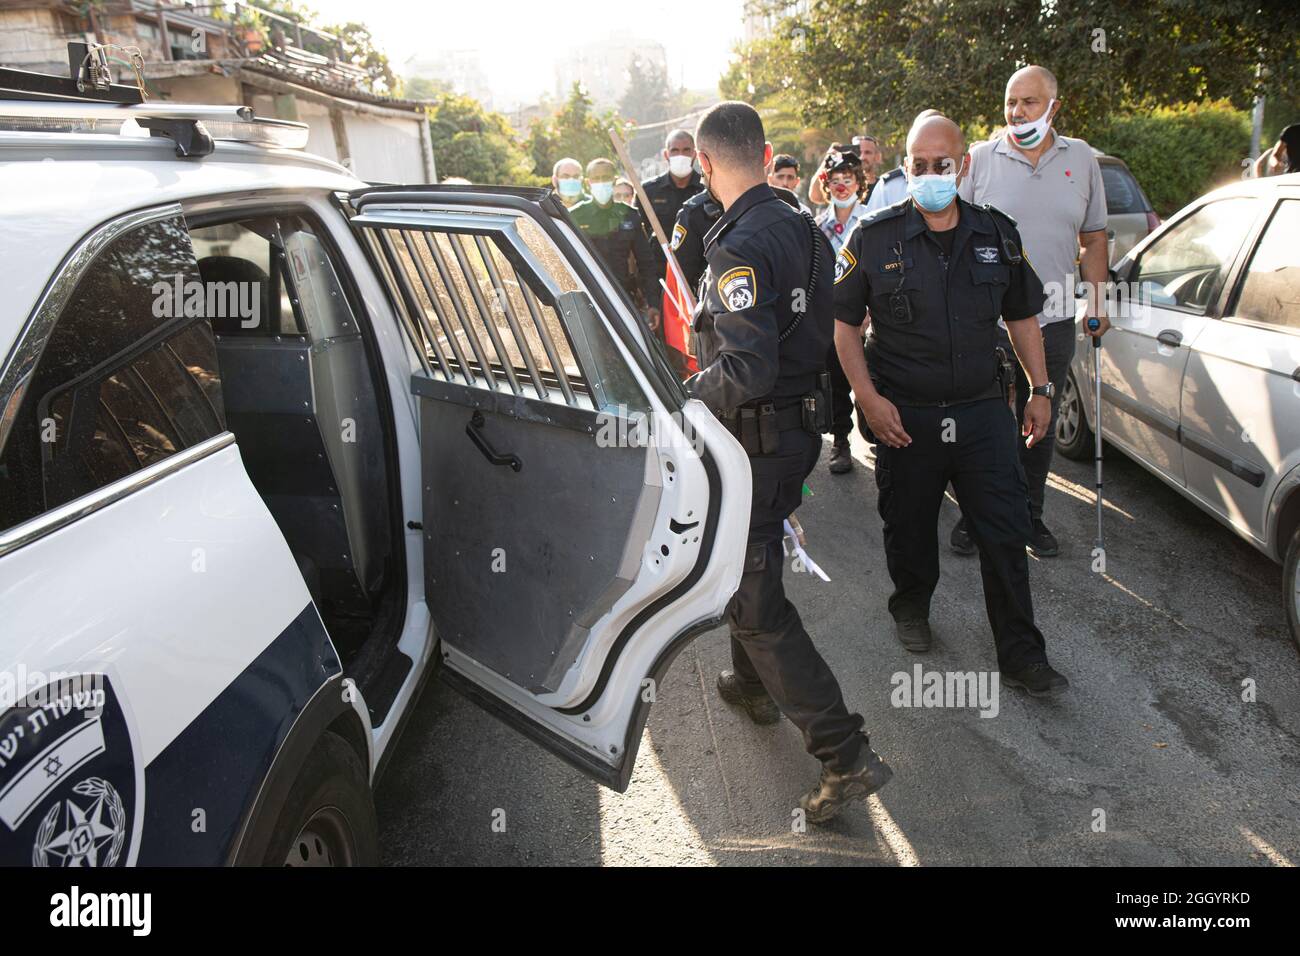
pixel 973 446
pixel 770 649
pixel 841 402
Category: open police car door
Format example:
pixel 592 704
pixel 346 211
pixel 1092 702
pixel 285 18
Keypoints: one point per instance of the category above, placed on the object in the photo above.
pixel 582 519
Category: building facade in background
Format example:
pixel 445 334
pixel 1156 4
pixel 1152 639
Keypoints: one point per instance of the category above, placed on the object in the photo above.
pixel 208 54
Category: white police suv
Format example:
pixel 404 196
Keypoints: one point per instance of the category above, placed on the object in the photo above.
pixel 272 443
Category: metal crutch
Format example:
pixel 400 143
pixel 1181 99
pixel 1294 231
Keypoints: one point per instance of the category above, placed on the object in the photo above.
pixel 1093 325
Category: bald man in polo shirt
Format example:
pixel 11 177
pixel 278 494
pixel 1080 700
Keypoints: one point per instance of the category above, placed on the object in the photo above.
pixel 1051 185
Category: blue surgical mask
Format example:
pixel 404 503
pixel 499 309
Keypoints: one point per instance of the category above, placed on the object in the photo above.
pixel 602 192
pixel 933 193
pixel 570 188
pixel 844 203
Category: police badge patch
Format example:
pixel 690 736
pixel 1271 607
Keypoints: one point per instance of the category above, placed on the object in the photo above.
pixel 679 233
pixel 986 254
pixel 844 264
pixel 71 788
pixel 737 288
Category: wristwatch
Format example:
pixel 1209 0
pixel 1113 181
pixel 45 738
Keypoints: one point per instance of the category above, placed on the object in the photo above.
pixel 1048 391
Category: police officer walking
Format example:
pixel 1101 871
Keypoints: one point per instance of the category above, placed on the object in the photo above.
pixel 762 329
pixel 936 272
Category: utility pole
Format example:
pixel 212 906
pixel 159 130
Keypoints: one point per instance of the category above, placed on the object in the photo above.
pixel 1256 128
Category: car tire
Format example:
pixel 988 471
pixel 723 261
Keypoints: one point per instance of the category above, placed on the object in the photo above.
pixel 1291 585
pixel 1074 439
pixel 328 818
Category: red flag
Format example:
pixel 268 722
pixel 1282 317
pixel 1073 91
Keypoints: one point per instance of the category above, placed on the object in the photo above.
pixel 676 321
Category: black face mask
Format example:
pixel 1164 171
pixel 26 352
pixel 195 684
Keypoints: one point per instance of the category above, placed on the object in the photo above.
pixel 705 178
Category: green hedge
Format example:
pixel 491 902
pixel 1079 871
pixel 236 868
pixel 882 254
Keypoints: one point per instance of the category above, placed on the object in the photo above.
pixel 1179 153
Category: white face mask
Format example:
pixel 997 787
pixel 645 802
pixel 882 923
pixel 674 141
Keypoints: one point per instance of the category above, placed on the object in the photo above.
pixel 1031 134
pixel 602 192
pixel 680 166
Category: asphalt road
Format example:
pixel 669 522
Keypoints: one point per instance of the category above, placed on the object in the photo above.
pixel 1154 733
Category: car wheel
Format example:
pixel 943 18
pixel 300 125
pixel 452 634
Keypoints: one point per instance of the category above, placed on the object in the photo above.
pixel 1291 585
pixel 1074 439
pixel 328 818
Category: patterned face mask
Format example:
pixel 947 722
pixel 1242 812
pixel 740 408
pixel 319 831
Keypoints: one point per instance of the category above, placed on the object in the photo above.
pixel 1029 135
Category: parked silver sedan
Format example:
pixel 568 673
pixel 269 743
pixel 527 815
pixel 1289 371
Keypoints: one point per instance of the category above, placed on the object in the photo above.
pixel 1200 375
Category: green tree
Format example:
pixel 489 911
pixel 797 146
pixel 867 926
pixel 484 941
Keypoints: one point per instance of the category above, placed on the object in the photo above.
pixel 575 130
pixel 424 88
pixel 478 145
pixel 648 98
pixel 1179 153
pixel 356 44
pixel 359 50
pixel 880 63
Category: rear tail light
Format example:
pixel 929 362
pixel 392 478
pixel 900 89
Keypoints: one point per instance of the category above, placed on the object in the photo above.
pixel 1153 222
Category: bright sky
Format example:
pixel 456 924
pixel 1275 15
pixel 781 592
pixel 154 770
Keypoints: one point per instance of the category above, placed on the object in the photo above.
pixel 520 40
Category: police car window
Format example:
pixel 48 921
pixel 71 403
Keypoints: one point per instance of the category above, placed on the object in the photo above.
pixel 1183 267
pixel 1270 291
pixel 128 376
pixel 245 263
pixel 503 320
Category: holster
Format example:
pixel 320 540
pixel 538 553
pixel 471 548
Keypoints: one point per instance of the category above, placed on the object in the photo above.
pixel 758 426
pixel 817 406
pixel 1006 376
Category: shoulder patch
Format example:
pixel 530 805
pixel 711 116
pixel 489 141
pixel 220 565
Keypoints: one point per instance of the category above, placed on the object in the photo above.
pixel 892 174
pixel 679 234
pixel 736 288
pixel 844 263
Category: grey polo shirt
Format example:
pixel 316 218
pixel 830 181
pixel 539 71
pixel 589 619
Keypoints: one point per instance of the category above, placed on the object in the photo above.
pixel 1052 204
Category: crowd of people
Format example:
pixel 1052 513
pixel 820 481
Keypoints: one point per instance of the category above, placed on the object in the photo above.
pixel 947 326
pixel 1048 183
pixel 941 320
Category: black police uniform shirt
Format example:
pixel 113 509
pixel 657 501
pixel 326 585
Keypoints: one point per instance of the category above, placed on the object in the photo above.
pixel 939 348
pixel 615 231
pixel 667 199
pixel 694 219
pixel 757 281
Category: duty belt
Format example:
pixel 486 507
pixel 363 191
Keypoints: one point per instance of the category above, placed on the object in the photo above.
pixel 993 391
pixel 758 426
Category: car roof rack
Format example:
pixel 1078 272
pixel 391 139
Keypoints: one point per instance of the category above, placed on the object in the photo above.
pixel 89 80
pixel 89 102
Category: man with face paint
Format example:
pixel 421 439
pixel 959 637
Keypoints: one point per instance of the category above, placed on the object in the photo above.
pixel 614 228
pixel 936 273
pixel 566 180
pixel 762 330
pixel 843 179
pixel 1051 185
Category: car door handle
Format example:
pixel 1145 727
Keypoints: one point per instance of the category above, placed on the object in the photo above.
pixel 1170 337
pixel 476 436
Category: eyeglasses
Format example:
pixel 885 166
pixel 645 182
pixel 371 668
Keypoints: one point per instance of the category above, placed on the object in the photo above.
pixel 940 167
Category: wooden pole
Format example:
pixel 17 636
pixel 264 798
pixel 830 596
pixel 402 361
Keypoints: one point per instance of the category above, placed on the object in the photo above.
pixel 621 149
